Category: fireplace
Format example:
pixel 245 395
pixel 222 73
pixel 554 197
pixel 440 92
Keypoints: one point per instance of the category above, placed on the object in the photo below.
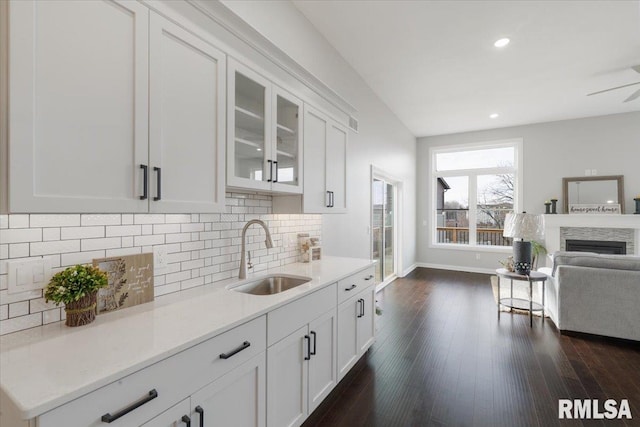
pixel 598 246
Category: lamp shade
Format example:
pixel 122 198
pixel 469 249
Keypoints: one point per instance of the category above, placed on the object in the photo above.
pixel 524 226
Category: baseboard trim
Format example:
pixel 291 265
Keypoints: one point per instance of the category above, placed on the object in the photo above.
pixel 456 268
pixel 410 269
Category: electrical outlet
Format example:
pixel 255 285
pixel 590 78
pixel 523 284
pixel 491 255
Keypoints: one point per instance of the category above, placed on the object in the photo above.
pixel 159 258
pixel 28 275
pixel 587 172
pixel 478 256
pixel 594 172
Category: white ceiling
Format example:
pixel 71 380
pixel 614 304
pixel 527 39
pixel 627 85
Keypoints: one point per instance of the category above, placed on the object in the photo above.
pixel 434 64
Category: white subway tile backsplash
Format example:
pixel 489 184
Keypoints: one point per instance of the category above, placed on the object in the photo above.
pixel 101 219
pixel 59 247
pixel 105 243
pixel 68 233
pixel 53 220
pixel 18 221
pixel 21 235
pixel 201 248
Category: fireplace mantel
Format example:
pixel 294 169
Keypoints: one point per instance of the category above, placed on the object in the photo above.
pixel 553 223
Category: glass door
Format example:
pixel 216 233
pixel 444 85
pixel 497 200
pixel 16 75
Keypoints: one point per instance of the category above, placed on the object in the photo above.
pixel 285 150
pixel 383 218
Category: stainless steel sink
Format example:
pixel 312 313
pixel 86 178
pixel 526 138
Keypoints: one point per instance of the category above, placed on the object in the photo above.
pixel 271 284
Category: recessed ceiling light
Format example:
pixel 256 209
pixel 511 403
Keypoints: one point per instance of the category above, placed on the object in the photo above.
pixel 258 149
pixel 502 42
pixel 494 116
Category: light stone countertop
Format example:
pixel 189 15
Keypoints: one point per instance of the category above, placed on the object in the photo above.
pixel 45 367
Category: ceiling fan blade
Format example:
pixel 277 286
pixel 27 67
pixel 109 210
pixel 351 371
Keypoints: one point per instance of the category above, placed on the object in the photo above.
pixel 633 96
pixel 613 88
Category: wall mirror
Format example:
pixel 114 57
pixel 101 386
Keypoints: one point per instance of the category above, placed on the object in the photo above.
pixel 593 190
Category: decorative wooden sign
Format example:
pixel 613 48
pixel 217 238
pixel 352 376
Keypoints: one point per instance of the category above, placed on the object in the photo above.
pixel 604 208
pixel 130 281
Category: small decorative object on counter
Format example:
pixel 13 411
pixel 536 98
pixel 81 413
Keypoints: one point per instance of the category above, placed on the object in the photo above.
pixel 77 287
pixel 304 243
pixel 547 207
pixel 316 253
pixel 508 264
pixel 637 200
pixel 554 206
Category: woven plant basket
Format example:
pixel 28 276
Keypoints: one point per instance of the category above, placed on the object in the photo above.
pixel 83 311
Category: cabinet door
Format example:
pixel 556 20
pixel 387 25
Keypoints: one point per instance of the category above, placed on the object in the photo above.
pixel 236 399
pixel 249 164
pixel 286 149
pixel 316 198
pixel 347 340
pixel 187 126
pixel 172 417
pixel 366 321
pixel 78 112
pixel 322 365
pixel 287 380
pixel 336 159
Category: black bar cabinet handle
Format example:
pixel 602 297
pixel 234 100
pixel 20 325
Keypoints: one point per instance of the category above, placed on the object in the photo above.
pixel 329 196
pixel 313 353
pixel 200 411
pixel 108 418
pixel 185 419
pixel 145 181
pixel 244 345
pixel 350 288
pixel 270 170
pixel 308 339
pixel 369 278
pixel 159 192
pixel 360 307
pixel 275 163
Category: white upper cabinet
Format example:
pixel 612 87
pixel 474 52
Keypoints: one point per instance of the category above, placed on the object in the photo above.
pixel 186 150
pixel 112 110
pixel 264 150
pixel 78 78
pixel 325 162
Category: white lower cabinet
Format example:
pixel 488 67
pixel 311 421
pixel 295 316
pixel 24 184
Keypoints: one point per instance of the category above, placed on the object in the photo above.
pixel 356 329
pixel 176 416
pixel 236 399
pixel 301 371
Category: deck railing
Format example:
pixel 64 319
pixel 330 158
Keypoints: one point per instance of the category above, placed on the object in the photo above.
pixel 484 236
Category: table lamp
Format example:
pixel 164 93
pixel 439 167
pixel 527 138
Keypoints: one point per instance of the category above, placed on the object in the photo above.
pixel 526 227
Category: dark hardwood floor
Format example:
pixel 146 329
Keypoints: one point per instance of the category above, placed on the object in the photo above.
pixel 442 358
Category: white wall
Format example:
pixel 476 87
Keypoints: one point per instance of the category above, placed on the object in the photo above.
pixel 553 150
pixel 383 140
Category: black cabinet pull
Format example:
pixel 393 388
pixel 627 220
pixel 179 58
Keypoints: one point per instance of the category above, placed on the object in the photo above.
pixel 360 308
pixel 159 189
pixel 185 419
pixel 275 163
pixel 350 288
pixel 329 197
pixel 270 170
pixel 308 339
pixel 369 278
pixel 313 353
pixel 145 181
pixel 200 411
pixel 108 418
pixel 244 345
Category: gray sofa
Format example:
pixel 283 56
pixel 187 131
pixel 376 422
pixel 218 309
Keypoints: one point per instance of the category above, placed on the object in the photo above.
pixel 595 294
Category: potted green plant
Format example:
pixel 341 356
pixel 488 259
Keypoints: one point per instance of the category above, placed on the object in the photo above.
pixel 77 288
pixel 537 250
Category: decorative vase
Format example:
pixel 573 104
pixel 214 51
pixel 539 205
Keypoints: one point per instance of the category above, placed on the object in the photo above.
pixel 637 200
pixel 554 206
pixel 83 311
pixel 547 207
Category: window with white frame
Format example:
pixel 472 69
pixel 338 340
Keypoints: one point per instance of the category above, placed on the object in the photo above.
pixel 474 187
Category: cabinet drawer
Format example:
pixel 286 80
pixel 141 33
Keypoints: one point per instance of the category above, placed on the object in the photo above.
pixel 285 320
pixel 173 379
pixel 355 283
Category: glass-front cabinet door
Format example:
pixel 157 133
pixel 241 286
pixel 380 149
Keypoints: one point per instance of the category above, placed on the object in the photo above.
pixel 264 124
pixel 249 97
pixel 286 146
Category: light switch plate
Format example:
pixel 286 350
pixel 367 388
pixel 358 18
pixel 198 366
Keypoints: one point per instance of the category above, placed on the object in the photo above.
pixel 28 275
